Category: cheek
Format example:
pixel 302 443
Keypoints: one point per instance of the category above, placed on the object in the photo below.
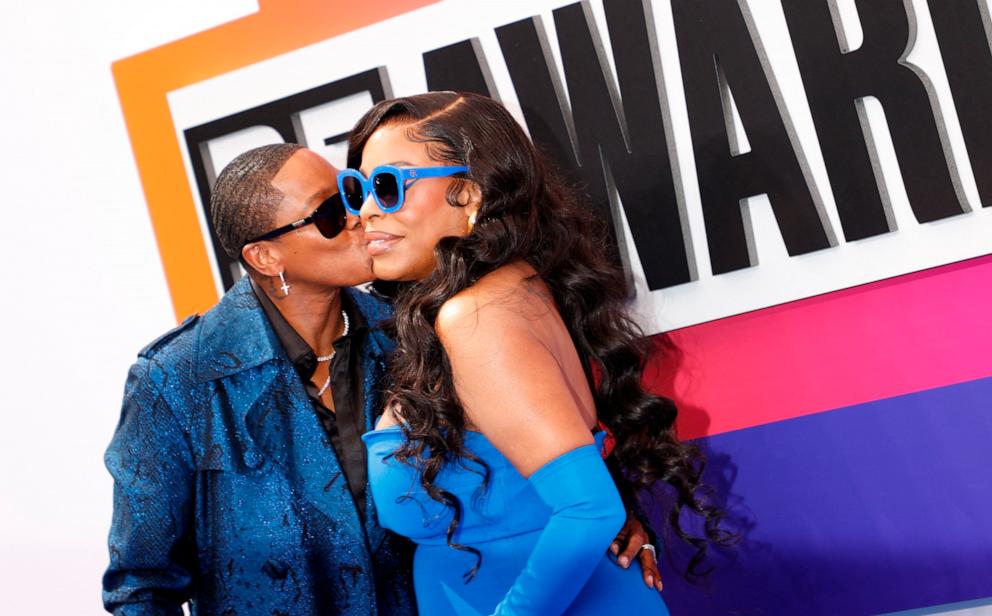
pixel 342 251
pixel 344 265
pixel 425 218
pixel 431 217
pixel 428 231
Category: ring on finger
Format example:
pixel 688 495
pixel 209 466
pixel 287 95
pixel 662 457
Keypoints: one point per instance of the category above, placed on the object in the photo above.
pixel 648 546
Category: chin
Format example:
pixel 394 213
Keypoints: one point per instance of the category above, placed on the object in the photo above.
pixel 385 273
pixel 392 267
pixel 384 268
pixel 398 276
pixel 350 275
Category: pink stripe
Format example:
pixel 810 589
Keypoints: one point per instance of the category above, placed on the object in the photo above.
pixel 888 338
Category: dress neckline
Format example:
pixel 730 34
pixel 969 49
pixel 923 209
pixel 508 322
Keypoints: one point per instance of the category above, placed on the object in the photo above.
pixel 397 427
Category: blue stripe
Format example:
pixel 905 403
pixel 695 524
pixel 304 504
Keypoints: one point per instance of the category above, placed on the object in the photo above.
pixel 873 508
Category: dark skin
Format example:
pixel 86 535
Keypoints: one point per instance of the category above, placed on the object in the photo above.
pixel 317 268
pixel 536 378
pixel 627 548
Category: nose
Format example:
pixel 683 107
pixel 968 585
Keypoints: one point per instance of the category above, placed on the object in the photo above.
pixel 370 209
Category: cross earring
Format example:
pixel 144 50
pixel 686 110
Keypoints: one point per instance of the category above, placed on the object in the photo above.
pixel 285 287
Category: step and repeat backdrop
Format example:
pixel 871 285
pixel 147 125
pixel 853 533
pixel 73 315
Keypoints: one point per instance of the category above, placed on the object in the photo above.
pixel 801 191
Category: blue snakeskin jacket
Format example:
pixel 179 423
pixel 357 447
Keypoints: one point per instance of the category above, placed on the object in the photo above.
pixel 227 491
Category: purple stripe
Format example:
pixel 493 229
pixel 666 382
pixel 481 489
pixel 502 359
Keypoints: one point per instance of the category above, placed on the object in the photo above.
pixel 873 508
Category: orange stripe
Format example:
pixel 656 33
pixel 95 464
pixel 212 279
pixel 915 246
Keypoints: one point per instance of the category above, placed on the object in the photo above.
pixel 143 80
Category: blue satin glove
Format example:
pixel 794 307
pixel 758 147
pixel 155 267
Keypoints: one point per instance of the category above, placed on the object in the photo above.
pixel 587 513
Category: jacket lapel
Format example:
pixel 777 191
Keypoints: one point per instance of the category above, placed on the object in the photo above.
pixel 374 375
pixel 262 405
pixel 376 348
pixel 286 429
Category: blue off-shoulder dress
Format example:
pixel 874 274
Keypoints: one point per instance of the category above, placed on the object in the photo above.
pixel 539 556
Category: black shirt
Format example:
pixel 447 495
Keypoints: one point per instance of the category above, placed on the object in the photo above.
pixel 346 424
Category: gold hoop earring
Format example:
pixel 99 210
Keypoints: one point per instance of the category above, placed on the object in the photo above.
pixel 471 221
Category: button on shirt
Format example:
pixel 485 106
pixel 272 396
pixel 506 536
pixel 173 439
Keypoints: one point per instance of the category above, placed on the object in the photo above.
pixel 345 424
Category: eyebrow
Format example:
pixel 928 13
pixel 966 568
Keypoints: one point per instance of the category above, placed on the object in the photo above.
pixel 321 195
pixel 395 163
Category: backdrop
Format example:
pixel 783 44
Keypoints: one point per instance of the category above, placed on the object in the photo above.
pixel 801 192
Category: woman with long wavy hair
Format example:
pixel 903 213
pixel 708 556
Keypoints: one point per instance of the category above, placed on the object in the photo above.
pixel 514 350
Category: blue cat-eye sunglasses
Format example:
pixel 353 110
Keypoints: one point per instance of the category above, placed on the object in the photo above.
pixel 387 183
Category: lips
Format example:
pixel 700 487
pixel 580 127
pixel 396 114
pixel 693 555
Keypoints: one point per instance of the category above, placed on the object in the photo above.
pixel 380 242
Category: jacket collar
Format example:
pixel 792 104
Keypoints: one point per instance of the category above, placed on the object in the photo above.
pixel 236 335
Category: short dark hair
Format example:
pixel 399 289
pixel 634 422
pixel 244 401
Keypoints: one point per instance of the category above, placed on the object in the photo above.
pixel 243 201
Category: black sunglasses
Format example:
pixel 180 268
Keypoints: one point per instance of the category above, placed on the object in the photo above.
pixel 330 219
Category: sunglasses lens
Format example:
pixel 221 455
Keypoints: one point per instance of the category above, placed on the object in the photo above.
pixel 352 192
pixel 386 188
pixel 330 217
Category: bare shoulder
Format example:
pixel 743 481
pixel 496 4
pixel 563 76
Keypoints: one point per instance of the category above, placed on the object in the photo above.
pixel 505 345
pixel 501 302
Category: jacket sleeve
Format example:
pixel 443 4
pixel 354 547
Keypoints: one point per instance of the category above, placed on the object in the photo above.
pixel 586 513
pixel 151 553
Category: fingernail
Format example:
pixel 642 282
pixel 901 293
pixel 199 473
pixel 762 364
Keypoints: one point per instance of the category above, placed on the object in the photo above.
pixel 624 561
pixel 615 548
pixel 650 580
pixel 658 586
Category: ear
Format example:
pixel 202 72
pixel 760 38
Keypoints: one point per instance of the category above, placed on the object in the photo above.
pixel 263 257
pixel 470 197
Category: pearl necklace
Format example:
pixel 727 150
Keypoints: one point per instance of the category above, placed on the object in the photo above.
pixel 323 358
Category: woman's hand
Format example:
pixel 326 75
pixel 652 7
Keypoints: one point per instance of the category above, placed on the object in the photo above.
pixel 629 544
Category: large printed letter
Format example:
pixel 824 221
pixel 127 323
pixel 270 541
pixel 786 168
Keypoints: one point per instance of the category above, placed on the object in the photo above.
pixel 715 48
pixel 964 45
pixel 837 79
pixel 461 67
pixel 612 143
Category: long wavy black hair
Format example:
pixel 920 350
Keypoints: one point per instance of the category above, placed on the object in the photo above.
pixel 527 214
